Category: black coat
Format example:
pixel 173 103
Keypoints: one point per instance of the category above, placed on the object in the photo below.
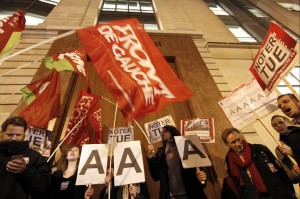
pixel 71 191
pixel 34 179
pixel 278 183
pixel 294 142
pixel 159 171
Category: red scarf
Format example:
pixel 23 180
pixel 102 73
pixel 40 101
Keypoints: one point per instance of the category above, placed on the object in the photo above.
pixel 236 163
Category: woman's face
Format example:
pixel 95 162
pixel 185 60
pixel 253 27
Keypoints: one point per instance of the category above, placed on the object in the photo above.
pixel 73 154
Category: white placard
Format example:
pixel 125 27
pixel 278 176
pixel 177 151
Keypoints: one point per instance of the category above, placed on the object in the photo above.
pixel 128 162
pixel 154 128
pixel 191 152
pixel 122 134
pixel 92 164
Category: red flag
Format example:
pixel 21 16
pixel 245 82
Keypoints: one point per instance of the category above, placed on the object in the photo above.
pixel 94 118
pixel 72 60
pixel 86 105
pixel 132 68
pixel 46 104
pixel 10 31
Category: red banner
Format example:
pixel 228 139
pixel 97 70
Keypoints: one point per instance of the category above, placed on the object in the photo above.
pixel 46 104
pixel 278 54
pixel 9 25
pixel 85 108
pixel 132 68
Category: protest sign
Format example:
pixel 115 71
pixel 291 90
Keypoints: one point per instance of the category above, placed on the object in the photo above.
pixel 246 103
pixel 128 162
pixel 154 128
pixel 191 152
pixel 202 127
pixel 92 164
pixel 121 134
pixel 39 139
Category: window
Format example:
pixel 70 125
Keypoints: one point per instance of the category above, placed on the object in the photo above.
pixel 233 25
pixel 119 9
pixel 294 80
pixel 53 2
pixel 290 6
pixel 241 34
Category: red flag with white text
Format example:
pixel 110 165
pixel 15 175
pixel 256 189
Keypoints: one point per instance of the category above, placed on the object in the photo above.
pixel 10 31
pixel 46 103
pixel 71 60
pixel 85 107
pixel 132 67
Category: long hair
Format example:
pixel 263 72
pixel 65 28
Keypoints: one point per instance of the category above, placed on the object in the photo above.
pixel 173 131
pixel 62 163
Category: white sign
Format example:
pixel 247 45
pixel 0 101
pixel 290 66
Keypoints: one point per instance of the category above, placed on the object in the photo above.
pixel 128 162
pixel 122 134
pixel 191 152
pixel 246 103
pixel 154 128
pixel 92 165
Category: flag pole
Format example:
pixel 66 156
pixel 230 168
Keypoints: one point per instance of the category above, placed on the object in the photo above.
pixel 20 67
pixel 65 138
pixel 112 147
pixel 133 120
pixel 290 87
pixel 38 44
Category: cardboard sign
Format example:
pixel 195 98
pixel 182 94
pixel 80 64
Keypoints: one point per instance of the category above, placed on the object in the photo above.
pixel 39 139
pixel 128 162
pixel 122 134
pixel 247 102
pixel 191 152
pixel 92 165
pixel 154 128
pixel 202 127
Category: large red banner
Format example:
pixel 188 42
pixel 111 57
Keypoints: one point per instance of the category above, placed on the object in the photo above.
pixel 277 56
pixel 132 68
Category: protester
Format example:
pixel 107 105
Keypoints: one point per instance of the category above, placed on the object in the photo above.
pixel 165 166
pixel 138 191
pixel 23 171
pixel 290 106
pixel 65 174
pixel 280 124
pixel 254 169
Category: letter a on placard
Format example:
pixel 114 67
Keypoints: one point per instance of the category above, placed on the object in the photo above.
pixel 93 160
pixel 128 162
pixel 191 152
pixel 89 165
pixel 186 151
pixel 133 163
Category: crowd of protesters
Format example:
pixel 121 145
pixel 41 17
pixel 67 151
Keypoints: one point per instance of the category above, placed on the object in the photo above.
pixel 253 172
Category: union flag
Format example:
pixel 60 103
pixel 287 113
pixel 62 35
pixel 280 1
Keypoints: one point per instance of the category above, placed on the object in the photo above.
pixel 132 67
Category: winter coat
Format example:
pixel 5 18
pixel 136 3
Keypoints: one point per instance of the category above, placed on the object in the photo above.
pixel 33 181
pixel 159 171
pixel 275 178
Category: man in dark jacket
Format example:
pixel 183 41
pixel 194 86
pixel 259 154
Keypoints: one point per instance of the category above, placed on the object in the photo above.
pixel 175 181
pixel 23 171
pixel 289 104
pixel 254 170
